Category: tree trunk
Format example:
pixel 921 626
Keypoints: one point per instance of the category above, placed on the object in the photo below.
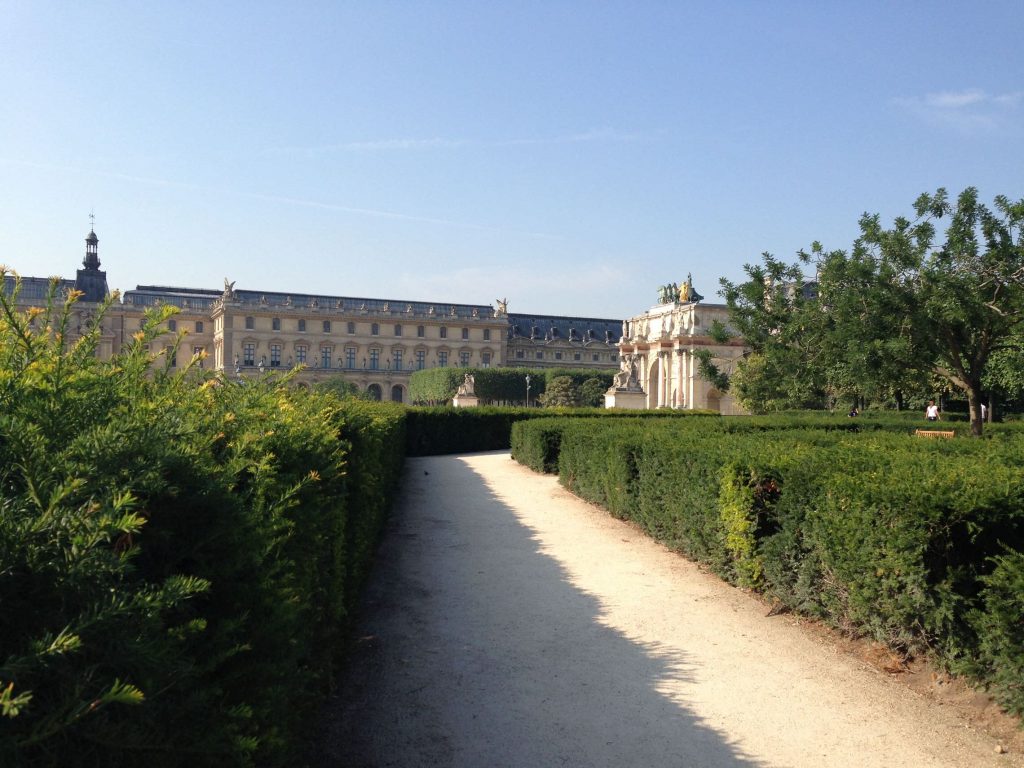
pixel 974 400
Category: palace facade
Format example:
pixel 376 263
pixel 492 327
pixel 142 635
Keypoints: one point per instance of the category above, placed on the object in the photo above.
pixel 376 344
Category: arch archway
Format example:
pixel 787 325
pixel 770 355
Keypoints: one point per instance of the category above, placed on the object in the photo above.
pixel 396 393
pixel 653 376
pixel 374 392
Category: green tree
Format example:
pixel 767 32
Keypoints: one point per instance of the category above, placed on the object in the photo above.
pixel 780 324
pixel 561 391
pixel 866 337
pixel 591 393
pixel 340 387
pixel 944 308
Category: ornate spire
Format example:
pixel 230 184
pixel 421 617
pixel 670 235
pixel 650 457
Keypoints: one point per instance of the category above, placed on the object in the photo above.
pixel 92 256
pixel 91 281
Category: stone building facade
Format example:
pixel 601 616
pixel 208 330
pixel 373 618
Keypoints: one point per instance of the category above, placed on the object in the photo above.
pixel 659 366
pixel 376 344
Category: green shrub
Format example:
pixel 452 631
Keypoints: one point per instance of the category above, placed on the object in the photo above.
pixel 1000 631
pixel 536 443
pixel 507 386
pixel 177 551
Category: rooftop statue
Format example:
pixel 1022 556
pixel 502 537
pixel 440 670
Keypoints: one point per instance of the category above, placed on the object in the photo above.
pixel 667 293
pixel 687 292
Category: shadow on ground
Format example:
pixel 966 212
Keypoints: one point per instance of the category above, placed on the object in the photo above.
pixel 475 650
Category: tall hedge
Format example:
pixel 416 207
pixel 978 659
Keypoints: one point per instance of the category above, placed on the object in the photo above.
pixel 177 551
pixel 495 386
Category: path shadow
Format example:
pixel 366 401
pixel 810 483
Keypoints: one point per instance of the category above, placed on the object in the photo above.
pixel 477 651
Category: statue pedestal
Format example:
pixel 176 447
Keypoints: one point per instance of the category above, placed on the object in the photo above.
pixel 621 397
pixel 465 401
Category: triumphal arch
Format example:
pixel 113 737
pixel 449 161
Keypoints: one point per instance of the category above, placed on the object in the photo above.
pixel 659 355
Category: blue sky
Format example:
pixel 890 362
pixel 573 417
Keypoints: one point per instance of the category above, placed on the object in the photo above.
pixel 571 156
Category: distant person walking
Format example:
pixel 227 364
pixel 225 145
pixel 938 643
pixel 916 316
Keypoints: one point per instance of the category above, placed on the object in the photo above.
pixel 932 411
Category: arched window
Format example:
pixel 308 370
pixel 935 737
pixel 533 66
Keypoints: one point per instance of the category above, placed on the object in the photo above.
pixel 374 392
pixel 396 394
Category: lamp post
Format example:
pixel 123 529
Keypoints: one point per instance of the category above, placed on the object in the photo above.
pixel 527 390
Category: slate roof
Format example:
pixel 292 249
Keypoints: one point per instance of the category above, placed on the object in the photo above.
pixel 547 328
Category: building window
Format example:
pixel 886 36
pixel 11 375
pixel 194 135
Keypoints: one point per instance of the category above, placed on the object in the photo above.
pixel 199 326
pixel 350 357
pixel 421 359
pixel 374 359
pixel 197 353
pixel 300 354
pixel 351 327
pixel 398 330
pixel 172 325
pixel 464 359
pixel 465 334
pixel 302 326
pixel 558 355
pixel 275 355
pixel 519 354
pixel 485 359
pixel 275 324
pixel 596 357
pixel 375 329
pixel 487 334
pixel 540 355
pixel 250 323
pixel 327 326
pixel 397 356
pixel 613 357
pixel 444 332
pixel 249 354
pixel 576 356
pixel 325 357
pixel 420 332
pixel 396 393
pixel 442 359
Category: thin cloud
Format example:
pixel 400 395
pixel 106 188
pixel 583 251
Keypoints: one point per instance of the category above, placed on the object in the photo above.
pixel 955 99
pixel 970 111
pixel 605 135
pixel 384 214
pixel 302 202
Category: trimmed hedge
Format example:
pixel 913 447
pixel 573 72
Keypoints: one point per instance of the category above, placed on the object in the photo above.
pixel 442 430
pixel 914 542
pixel 178 552
pixel 495 386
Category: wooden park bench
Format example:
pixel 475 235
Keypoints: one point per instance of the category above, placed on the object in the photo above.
pixel 935 433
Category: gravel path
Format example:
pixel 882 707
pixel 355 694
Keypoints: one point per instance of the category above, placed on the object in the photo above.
pixel 510 624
